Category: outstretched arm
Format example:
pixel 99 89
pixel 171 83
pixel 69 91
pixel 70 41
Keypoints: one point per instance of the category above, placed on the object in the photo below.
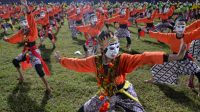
pixel 193 26
pixel 83 28
pixel 79 65
pixel 24 2
pixel 163 37
pixel 14 39
pixel 130 62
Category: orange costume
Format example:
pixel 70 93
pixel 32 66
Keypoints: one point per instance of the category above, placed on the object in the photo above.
pixel 43 21
pixel 171 40
pixel 76 17
pixel 29 40
pixel 136 11
pixel 193 26
pixel 149 23
pixel 122 20
pixel 166 16
pixel 93 31
pixel 19 36
pixel 127 64
pixel 146 19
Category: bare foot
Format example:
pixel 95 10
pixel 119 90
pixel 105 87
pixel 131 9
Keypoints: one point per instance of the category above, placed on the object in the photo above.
pixel 190 85
pixel 128 48
pixel 48 91
pixel 20 79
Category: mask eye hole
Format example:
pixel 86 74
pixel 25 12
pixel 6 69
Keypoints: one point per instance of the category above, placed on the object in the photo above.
pixel 117 46
pixel 111 48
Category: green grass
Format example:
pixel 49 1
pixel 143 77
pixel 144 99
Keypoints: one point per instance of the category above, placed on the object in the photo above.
pixel 72 89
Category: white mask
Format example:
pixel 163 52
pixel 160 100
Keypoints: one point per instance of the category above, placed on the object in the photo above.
pixel 160 10
pixel 49 9
pixel 123 12
pixel 166 10
pixel 78 10
pixel 112 50
pixel 94 20
pixel 23 23
pixel 180 29
pixel 101 9
pixel 42 14
pixel 148 15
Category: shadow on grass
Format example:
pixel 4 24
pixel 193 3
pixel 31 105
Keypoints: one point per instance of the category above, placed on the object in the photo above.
pixel 20 101
pixel 90 79
pixel 3 34
pixel 45 100
pixel 79 41
pixel 179 97
pixel 20 45
pixel 132 32
pixel 155 43
pixel 145 107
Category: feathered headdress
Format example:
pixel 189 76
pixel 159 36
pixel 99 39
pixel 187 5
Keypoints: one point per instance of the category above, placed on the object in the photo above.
pixel 106 38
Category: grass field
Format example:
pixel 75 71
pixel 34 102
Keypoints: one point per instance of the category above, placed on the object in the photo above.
pixel 72 89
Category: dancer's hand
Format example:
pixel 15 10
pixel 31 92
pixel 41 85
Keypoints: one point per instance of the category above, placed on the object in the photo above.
pixel 5 38
pixel 57 56
pixel 182 51
pixel 24 2
pixel 180 55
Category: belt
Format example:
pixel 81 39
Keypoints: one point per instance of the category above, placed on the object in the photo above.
pixel 122 89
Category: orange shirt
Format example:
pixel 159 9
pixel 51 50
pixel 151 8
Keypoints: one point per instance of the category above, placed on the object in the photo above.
pixel 127 63
pixel 116 13
pixel 120 19
pixel 171 40
pixel 32 36
pixel 165 16
pixel 76 17
pixel 6 15
pixel 135 11
pixel 92 30
pixel 147 20
pixel 43 21
pixel 87 9
pixel 99 14
pixel 193 26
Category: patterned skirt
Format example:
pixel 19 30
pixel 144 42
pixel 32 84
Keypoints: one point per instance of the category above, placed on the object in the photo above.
pixel 195 50
pixel 118 102
pixel 164 25
pixel 169 72
pixel 122 33
pixel 33 59
pixel 73 28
